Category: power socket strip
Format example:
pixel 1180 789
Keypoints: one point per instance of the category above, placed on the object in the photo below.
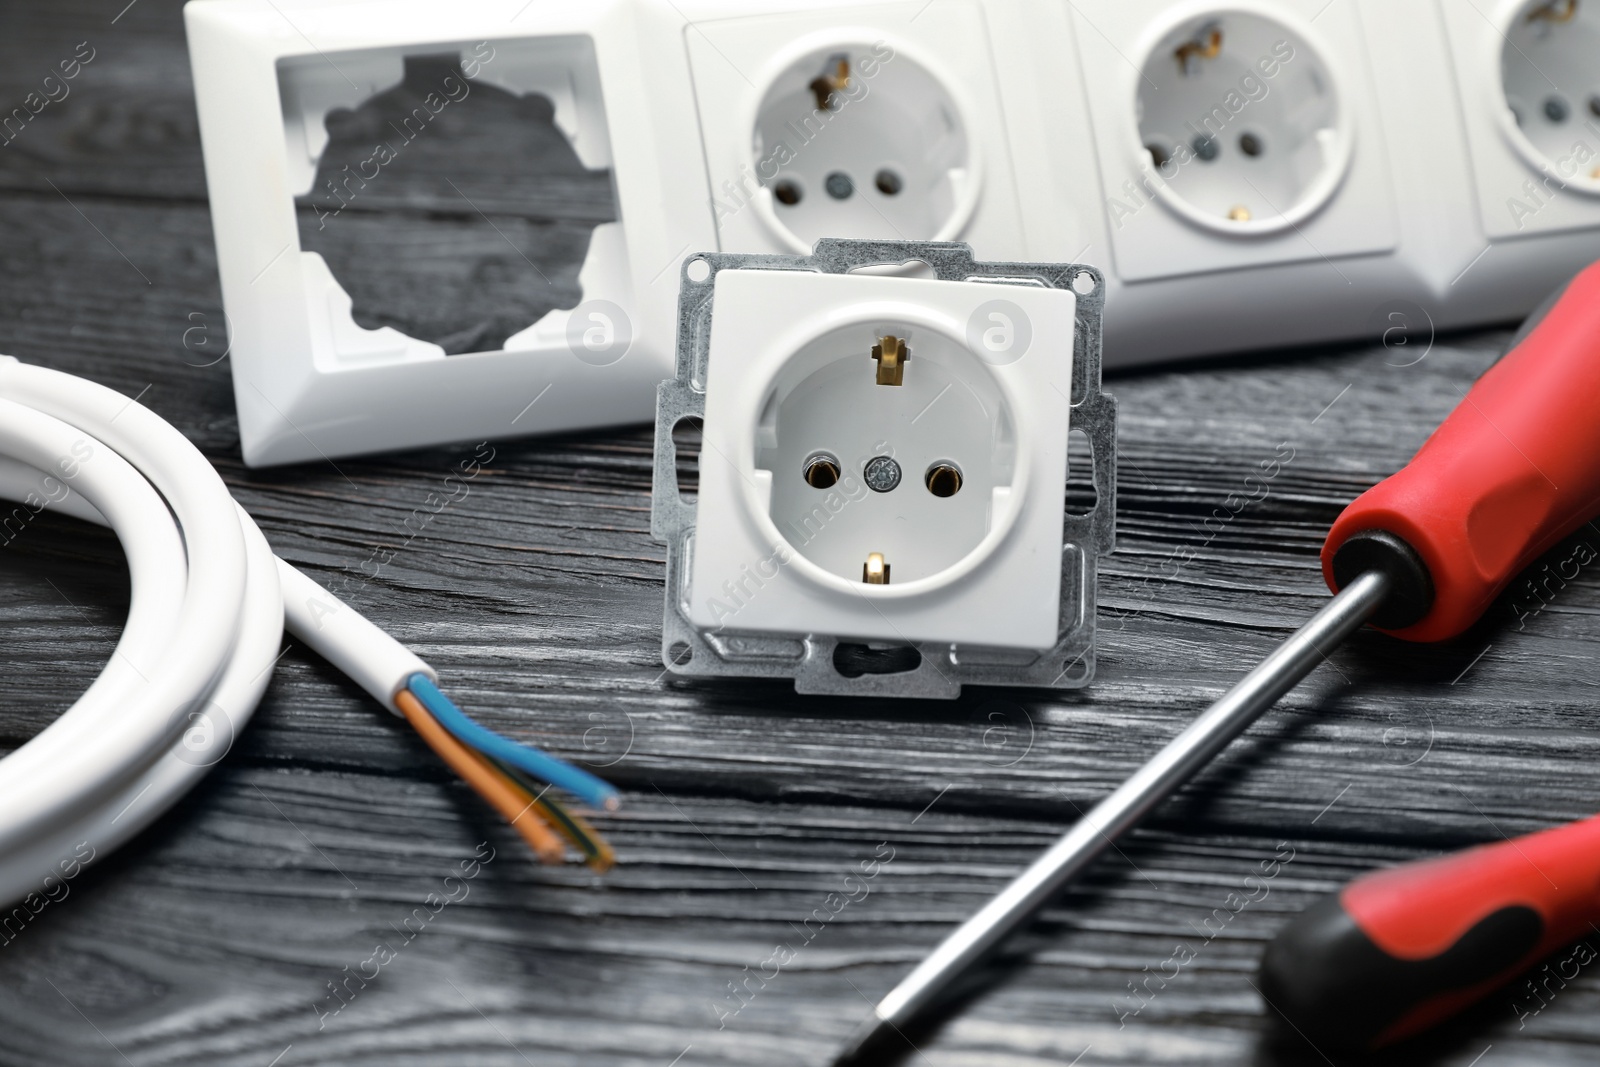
pixel 1246 175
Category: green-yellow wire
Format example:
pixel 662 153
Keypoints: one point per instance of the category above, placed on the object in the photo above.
pixel 597 852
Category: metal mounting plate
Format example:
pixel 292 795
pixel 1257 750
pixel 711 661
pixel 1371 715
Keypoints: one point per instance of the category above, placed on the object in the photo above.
pixel 810 658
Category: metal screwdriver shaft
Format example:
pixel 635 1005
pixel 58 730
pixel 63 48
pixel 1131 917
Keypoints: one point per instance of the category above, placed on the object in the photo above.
pixel 1175 764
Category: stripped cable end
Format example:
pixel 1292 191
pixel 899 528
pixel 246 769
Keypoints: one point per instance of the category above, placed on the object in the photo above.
pixel 515 779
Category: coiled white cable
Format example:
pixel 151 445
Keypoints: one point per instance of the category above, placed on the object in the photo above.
pixel 208 608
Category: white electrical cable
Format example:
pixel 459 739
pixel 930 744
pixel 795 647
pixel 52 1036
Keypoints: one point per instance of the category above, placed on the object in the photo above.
pixel 209 605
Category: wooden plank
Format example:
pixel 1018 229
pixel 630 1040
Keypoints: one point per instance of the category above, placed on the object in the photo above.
pixel 212 939
pixel 125 126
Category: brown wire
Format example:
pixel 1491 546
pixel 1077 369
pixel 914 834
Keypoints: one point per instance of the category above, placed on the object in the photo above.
pixel 505 796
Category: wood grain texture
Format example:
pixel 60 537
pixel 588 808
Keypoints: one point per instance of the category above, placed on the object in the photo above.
pixel 212 939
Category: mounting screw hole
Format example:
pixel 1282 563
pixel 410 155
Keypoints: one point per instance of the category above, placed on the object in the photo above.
pixel 1250 144
pixel 687 437
pixel 882 474
pixel 821 471
pixel 787 192
pixel 943 479
pixel 888 182
pixel 839 185
pixel 1082 495
pixel 1083 283
pixel 698 270
pixel 679 654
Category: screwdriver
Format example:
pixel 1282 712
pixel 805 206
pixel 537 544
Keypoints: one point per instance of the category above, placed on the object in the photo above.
pixel 1513 470
pixel 1401 949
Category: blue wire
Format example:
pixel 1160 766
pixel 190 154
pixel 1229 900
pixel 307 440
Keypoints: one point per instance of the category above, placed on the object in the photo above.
pixel 580 783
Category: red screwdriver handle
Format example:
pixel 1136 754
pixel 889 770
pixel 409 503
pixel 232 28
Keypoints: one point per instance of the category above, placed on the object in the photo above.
pixel 1513 470
pixel 1400 949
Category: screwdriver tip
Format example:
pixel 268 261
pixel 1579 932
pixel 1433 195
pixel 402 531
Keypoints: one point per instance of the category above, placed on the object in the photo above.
pixel 875 1042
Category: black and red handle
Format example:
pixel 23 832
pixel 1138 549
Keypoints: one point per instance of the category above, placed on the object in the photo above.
pixel 1513 470
pixel 1398 950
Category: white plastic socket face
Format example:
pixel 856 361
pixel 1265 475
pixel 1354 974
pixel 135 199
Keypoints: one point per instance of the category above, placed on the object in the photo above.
pixel 818 475
pixel 1532 176
pixel 1550 71
pixel 1241 123
pixel 1288 81
pixel 853 139
pixel 836 119
pixel 926 465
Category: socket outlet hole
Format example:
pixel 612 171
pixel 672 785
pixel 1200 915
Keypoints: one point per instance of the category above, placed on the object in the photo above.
pixel 1221 88
pixel 1551 57
pixel 943 479
pixel 821 471
pixel 825 402
pixel 786 192
pixel 888 118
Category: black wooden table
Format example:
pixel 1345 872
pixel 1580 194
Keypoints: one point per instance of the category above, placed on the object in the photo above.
pixel 218 936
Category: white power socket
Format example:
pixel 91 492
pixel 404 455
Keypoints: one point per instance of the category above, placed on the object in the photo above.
pixel 1247 174
pixel 844 120
pixel 1232 142
pixel 1531 75
pixel 813 461
pixel 1260 169
pixel 883 471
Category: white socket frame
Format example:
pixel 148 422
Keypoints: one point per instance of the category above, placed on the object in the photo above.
pixel 311 384
pixel 1504 160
